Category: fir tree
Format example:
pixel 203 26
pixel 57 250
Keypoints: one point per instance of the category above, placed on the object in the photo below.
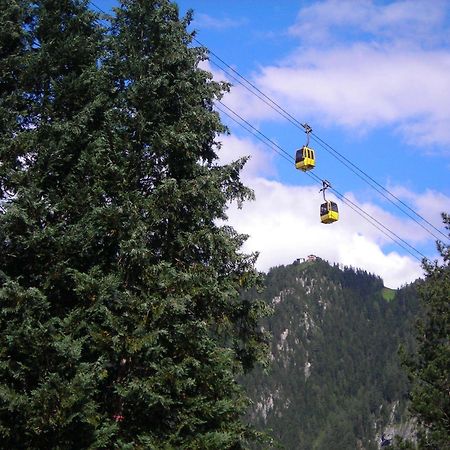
pixel 120 320
pixel 429 367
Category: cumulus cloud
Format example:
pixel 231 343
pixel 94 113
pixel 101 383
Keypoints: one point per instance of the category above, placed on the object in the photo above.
pixel 411 20
pixel 429 204
pixel 367 85
pixel 284 224
pixel 259 163
pixel 240 98
pixel 416 229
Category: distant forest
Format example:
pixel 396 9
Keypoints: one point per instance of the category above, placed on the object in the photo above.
pixel 335 380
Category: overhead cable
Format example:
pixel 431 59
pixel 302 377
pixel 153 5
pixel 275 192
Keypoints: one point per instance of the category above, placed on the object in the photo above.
pixel 249 86
pixel 98 7
pixel 278 149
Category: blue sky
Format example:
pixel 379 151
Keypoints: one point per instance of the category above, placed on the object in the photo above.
pixel 372 78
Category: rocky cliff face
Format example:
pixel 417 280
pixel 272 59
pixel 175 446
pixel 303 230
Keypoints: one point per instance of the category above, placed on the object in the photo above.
pixel 334 380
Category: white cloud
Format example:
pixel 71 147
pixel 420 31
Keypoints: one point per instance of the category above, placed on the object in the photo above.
pixel 406 226
pixel 283 224
pixel 365 86
pixel 428 204
pixel 394 269
pixel 410 20
pixel 239 99
pixel 260 162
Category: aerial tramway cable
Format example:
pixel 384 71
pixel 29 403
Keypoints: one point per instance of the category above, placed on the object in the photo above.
pixel 327 147
pixel 99 9
pixel 288 157
pixel 249 86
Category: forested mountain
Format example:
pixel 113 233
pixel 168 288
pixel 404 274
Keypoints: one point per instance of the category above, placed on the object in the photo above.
pixel 334 381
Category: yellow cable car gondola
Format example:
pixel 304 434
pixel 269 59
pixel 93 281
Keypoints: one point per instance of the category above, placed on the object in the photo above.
pixel 329 212
pixel 304 157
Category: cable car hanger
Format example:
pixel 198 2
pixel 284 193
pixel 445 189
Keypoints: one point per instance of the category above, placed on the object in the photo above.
pixel 308 130
pixel 325 185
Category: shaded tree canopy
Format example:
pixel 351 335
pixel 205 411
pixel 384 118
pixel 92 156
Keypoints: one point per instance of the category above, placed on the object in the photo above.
pixel 120 320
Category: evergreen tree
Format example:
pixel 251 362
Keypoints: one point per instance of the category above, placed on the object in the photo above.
pixel 429 366
pixel 120 320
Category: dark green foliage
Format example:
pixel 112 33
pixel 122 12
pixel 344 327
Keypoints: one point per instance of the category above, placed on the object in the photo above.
pixel 429 366
pixel 401 444
pixel 120 320
pixel 335 380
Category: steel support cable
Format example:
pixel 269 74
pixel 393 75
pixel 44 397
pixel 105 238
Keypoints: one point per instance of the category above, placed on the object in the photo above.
pixel 341 158
pixel 377 186
pixel 98 8
pixel 286 155
pixel 254 134
pixel 274 105
pixel 365 215
pixel 270 103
